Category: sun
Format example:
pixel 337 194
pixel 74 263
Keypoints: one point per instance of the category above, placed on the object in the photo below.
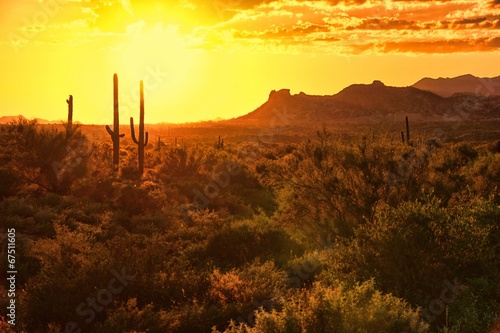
pixel 162 57
pixel 159 46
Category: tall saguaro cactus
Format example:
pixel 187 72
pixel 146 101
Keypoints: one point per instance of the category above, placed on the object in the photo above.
pixel 69 127
pixel 115 133
pixel 142 141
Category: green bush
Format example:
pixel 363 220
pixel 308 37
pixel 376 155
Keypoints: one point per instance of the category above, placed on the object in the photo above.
pixel 242 243
pixel 127 317
pixel 337 309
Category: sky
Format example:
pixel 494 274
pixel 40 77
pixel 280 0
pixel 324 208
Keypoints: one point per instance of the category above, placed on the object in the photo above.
pixel 202 60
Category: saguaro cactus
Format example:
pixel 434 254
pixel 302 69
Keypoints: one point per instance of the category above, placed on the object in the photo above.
pixel 69 125
pixel 220 143
pixel 115 134
pixel 143 137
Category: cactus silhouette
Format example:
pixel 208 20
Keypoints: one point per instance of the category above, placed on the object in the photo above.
pixel 142 141
pixel 402 137
pixel 69 125
pixel 115 134
pixel 220 143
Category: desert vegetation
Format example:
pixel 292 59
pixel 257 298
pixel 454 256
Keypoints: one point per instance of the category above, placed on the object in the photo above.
pixel 328 233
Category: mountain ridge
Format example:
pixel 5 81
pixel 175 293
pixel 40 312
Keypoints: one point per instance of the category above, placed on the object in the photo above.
pixel 467 83
pixel 373 103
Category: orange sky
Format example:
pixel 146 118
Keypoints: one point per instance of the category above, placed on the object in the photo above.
pixel 206 59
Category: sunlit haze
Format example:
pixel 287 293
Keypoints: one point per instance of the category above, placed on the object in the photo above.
pixel 202 60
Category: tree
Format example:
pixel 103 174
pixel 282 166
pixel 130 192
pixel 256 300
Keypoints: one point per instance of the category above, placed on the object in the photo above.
pixel 45 157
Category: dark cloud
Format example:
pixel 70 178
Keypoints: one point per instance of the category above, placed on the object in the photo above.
pixel 492 22
pixel 493 43
pixel 385 24
pixel 443 46
pixel 472 20
pixel 346 2
pixel 397 24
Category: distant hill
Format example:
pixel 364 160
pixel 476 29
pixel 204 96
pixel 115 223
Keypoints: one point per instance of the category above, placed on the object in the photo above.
pixel 468 84
pixel 373 103
pixel 8 119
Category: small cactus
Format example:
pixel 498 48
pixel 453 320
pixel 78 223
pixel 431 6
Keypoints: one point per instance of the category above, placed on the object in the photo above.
pixel 220 143
pixel 115 134
pixel 408 142
pixel 142 141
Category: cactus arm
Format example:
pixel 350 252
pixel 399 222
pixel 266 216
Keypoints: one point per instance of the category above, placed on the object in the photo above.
pixel 147 139
pixel 132 130
pixel 110 131
pixel 113 134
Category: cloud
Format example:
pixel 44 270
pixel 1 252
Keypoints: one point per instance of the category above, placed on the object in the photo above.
pixel 443 46
pixel 318 26
pixel 413 26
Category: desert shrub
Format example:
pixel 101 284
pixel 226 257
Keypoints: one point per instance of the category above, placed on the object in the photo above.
pixel 240 292
pixel 149 224
pixel 460 169
pixel 400 249
pixel 483 177
pixel 337 185
pixel 26 264
pixel 360 308
pixel 475 307
pixel 469 242
pixel 235 203
pixel 303 271
pixel 197 317
pixel 11 183
pixel 130 172
pixel 133 199
pixel 128 317
pixel 22 207
pixel 44 157
pixel 181 163
pixel 27 217
pixel 97 187
pixel 163 276
pixel 412 249
pixel 242 243
pixel 254 283
pixel 73 265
